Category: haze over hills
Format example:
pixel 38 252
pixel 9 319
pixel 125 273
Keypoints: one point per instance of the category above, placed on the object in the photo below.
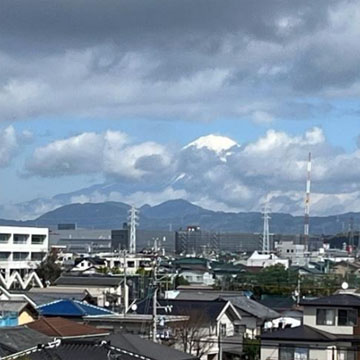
pixel 177 214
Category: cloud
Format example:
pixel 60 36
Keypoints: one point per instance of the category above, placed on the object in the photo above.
pixel 263 60
pixel 10 144
pixel 212 170
pixel 110 153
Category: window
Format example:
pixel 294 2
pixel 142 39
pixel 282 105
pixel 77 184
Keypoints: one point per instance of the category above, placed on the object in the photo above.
pixel 293 353
pixel 20 256
pixel 325 317
pixel 4 256
pixel 223 329
pixel 20 238
pixel 347 317
pixel 4 238
pixel 37 239
pixel 37 256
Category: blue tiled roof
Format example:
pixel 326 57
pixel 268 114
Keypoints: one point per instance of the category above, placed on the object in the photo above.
pixel 71 308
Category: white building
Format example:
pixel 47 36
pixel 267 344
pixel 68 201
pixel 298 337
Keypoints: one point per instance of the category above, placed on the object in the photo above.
pixel 22 249
pixel 258 259
pixel 294 252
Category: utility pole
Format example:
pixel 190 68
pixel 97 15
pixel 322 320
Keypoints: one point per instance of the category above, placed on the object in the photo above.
pixel 154 323
pixel 126 289
pixel 307 204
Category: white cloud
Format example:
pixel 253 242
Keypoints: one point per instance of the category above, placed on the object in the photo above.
pixel 9 144
pixel 211 171
pixel 109 153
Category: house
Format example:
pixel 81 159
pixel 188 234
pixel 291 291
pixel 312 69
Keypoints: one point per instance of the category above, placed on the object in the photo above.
pixel 88 265
pixel 99 287
pixel 208 323
pixel 71 309
pixel 344 268
pixel 330 330
pixel 258 259
pixel 119 346
pixel 140 324
pixel 16 312
pixel 198 277
pixel 58 327
pixel 253 314
pixel 19 340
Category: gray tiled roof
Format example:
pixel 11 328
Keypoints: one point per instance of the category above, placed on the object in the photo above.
pixel 19 338
pixel 347 300
pixel 252 307
pixel 89 280
pixel 301 333
pixel 16 306
pixel 136 344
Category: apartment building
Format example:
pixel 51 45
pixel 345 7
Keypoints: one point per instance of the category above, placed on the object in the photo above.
pixel 22 249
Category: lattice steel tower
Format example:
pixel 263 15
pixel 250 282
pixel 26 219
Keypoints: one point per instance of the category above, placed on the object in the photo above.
pixel 133 218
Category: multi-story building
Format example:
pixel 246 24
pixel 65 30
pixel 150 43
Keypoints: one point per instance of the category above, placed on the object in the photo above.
pixel 294 252
pixel 330 330
pixel 22 249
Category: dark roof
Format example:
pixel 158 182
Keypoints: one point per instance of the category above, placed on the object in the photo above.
pixel 93 260
pixel 43 297
pixel 13 305
pixel 252 307
pixel 210 310
pixel 303 332
pixel 124 348
pixel 137 345
pixel 306 333
pixel 236 298
pixel 77 350
pixel 277 303
pixel 60 327
pixel 347 300
pixel 71 308
pixel 19 338
pixel 89 280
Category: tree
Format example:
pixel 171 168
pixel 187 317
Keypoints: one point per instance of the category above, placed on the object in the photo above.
pixel 180 280
pixel 251 349
pixel 193 334
pixel 49 270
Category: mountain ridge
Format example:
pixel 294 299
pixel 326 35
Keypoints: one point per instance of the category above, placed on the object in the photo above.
pixel 180 213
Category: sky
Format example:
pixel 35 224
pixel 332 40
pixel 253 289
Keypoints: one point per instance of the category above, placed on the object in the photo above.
pixel 215 102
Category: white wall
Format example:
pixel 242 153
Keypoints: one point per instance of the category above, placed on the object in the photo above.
pixel 28 247
pixel 310 320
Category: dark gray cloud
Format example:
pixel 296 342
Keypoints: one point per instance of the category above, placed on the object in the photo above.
pixel 177 59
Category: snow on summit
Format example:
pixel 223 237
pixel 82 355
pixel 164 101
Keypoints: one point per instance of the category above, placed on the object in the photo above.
pixel 216 143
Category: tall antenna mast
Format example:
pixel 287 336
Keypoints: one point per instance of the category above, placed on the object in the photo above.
pixel 307 204
pixel 266 232
pixel 133 217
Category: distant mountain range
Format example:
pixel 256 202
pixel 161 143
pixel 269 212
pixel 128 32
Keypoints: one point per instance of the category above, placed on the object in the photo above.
pixel 175 214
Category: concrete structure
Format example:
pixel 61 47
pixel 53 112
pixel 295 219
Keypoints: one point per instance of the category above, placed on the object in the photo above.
pixel 291 251
pixel 22 249
pixel 258 259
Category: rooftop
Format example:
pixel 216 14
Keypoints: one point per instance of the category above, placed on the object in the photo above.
pixel 64 328
pixel 346 300
pixel 71 308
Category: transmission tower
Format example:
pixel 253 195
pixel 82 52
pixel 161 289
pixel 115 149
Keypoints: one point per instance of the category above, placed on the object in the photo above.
pixel 307 204
pixel 133 218
pixel 266 231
